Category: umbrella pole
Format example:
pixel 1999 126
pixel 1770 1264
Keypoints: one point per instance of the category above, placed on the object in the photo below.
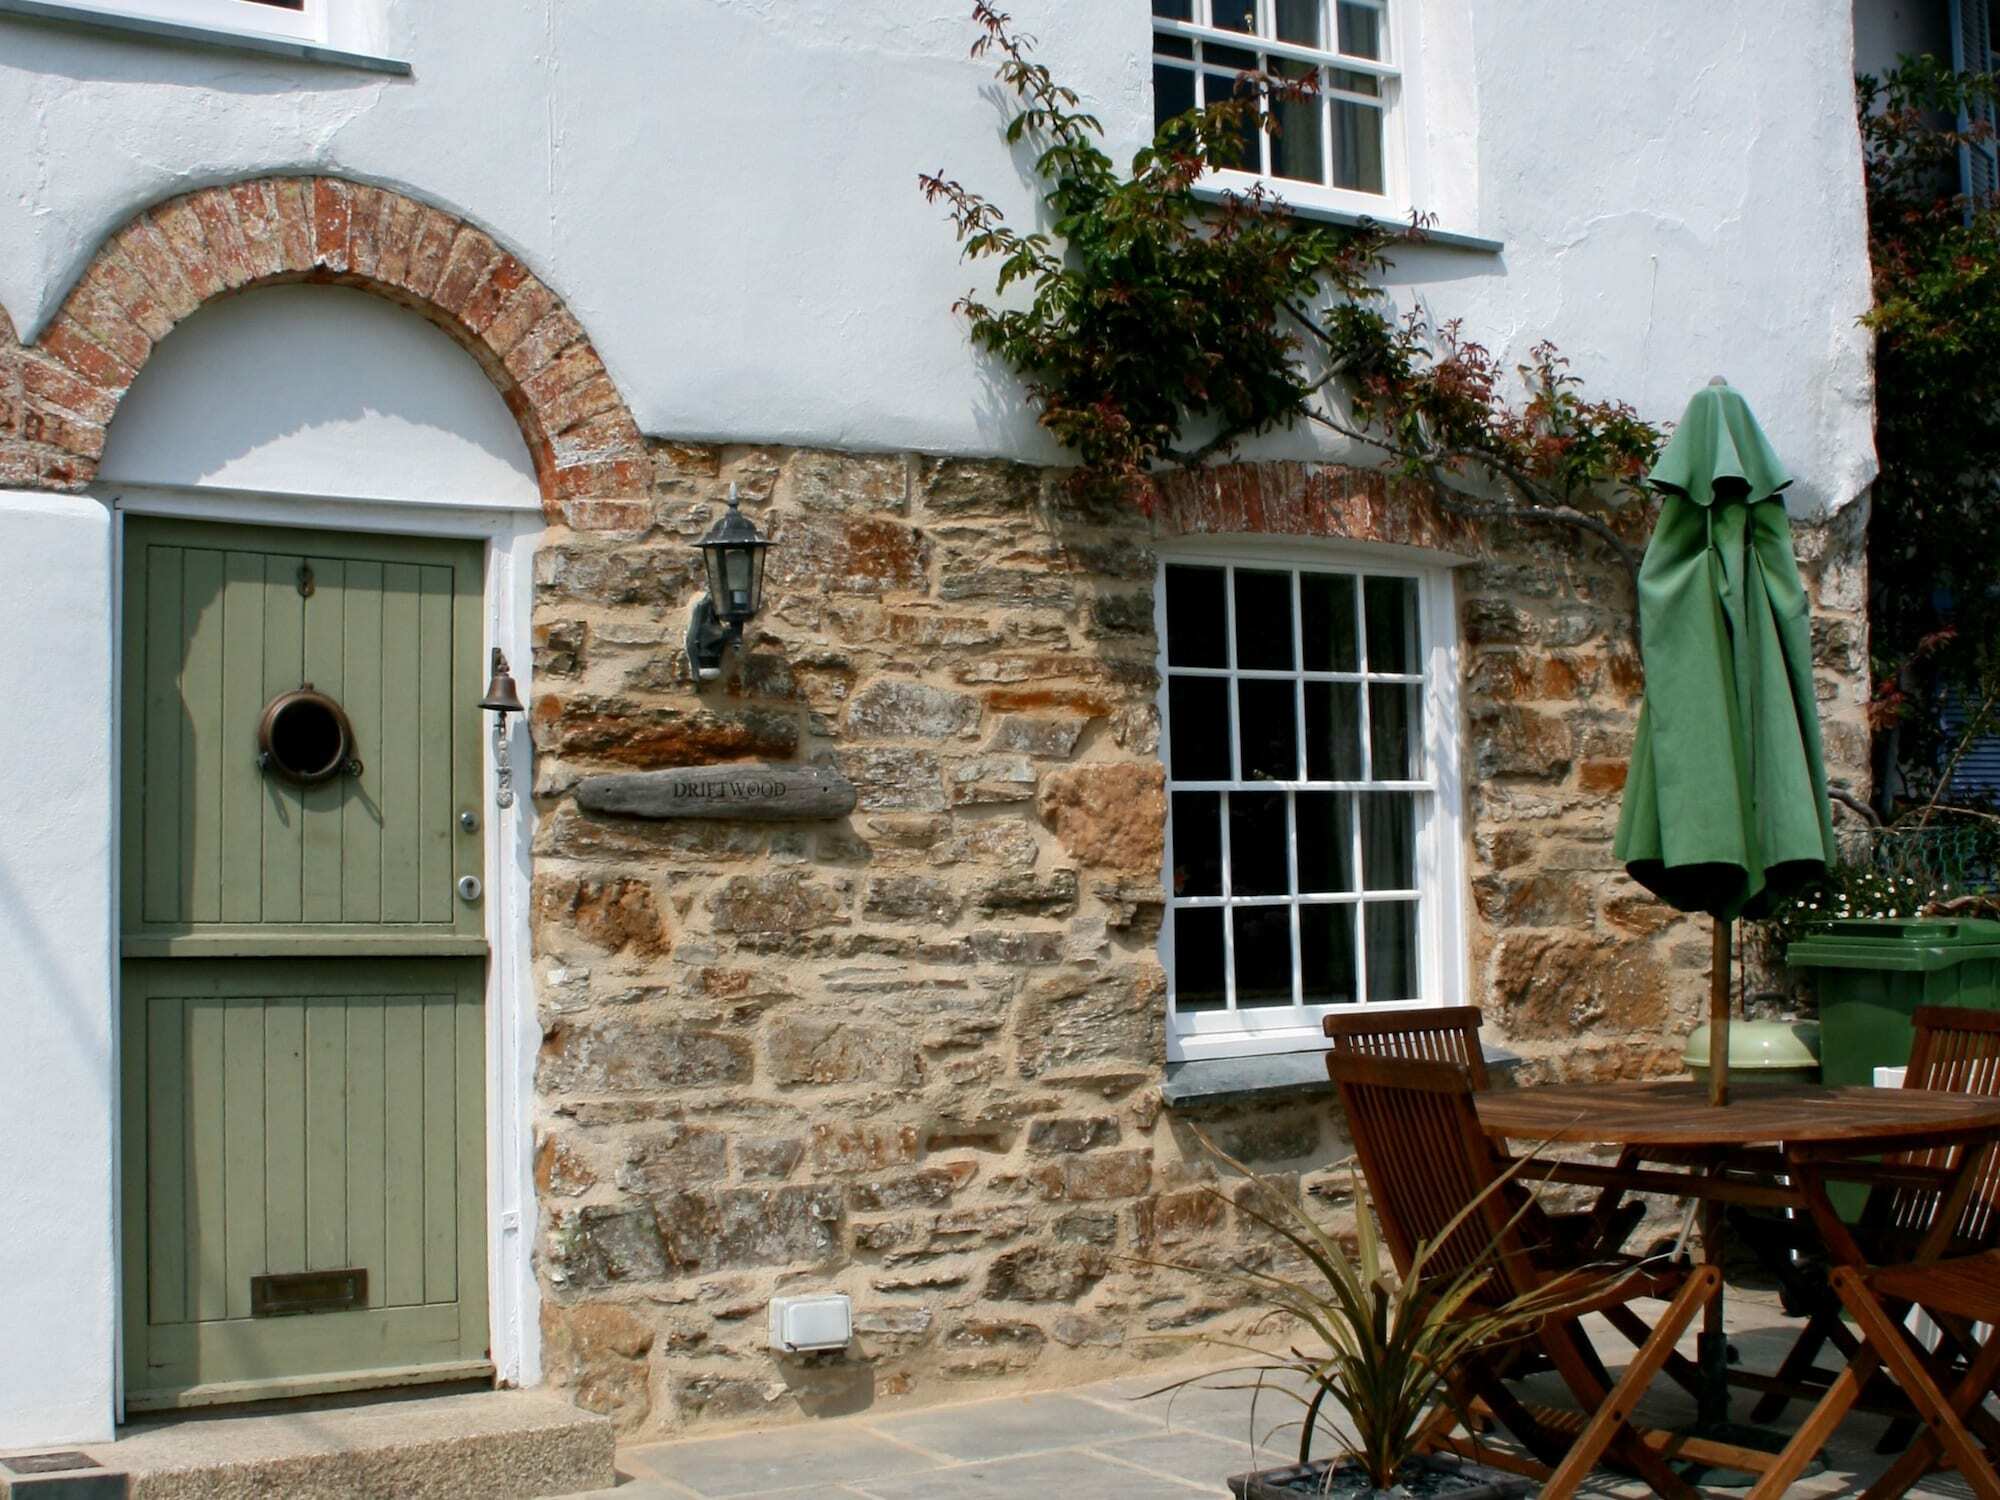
pixel 1712 1348
pixel 1718 1014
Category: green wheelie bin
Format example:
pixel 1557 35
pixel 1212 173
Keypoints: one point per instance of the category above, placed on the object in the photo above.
pixel 1873 974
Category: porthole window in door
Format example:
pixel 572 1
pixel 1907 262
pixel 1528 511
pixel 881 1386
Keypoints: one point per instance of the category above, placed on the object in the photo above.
pixel 304 737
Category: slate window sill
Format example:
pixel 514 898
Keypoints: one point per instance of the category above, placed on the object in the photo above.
pixel 1283 1075
pixel 87 16
pixel 1319 214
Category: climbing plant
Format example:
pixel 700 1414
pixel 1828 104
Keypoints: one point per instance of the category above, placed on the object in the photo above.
pixel 1934 532
pixel 1155 324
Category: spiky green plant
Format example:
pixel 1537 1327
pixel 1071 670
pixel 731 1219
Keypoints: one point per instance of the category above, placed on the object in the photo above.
pixel 1389 1346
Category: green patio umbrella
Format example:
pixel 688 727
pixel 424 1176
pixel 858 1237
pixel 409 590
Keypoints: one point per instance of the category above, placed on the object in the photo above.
pixel 1725 806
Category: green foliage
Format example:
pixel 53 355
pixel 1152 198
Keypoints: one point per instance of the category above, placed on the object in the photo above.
pixel 1439 398
pixel 1926 863
pixel 1850 892
pixel 1386 1346
pixel 1148 312
pixel 1934 534
pixel 1153 325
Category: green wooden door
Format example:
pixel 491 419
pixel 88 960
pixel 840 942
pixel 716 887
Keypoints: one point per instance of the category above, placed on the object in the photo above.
pixel 303 1033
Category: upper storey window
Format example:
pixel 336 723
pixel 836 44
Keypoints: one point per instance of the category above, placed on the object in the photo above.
pixel 302 19
pixel 1340 146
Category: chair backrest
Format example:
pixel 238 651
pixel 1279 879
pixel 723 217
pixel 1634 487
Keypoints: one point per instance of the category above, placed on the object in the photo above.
pixel 1449 1035
pixel 1416 1131
pixel 1956 1050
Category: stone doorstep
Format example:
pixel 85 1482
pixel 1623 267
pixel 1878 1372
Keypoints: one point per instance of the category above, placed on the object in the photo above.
pixel 499 1445
pixel 62 1474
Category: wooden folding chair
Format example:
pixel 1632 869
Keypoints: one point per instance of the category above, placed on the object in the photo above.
pixel 1955 1050
pixel 1443 1034
pixel 1450 1034
pixel 1957 1294
pixel 1416 1131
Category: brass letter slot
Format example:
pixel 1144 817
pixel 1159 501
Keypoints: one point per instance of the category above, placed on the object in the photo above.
pixel 308 1292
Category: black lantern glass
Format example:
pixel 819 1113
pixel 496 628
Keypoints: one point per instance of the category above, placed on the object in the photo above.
pixel 733 555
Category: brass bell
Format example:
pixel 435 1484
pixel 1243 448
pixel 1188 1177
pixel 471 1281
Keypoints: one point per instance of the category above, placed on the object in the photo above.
pixel 501 697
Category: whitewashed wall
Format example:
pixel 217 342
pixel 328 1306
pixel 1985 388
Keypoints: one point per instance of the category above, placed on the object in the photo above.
pixel 314 390
pixel 724 190
pixel 58 1256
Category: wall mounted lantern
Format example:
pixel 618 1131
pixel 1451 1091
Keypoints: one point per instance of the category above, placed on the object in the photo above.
pixel 501 700
pixel 732 555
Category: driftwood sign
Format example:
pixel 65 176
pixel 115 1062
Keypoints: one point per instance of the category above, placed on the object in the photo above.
pixel 745 793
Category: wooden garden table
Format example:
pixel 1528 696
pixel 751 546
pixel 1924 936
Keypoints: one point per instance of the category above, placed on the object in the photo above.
pixel 1804 1134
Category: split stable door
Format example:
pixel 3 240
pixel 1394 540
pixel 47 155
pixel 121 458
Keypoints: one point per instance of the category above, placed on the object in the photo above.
pixel 304 962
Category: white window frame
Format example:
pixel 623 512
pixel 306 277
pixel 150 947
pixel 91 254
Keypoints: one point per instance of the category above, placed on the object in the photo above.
pixel 1439 834
pixel 241 16
pixel 1398 70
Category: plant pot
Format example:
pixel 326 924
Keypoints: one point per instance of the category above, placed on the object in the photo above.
pixel 1422 1478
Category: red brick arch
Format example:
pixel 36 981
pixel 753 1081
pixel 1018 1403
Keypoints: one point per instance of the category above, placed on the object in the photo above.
pixel 181 254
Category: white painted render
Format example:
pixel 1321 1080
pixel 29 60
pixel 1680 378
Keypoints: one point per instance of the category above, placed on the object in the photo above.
pixel 58 1069
pixel 287 389
pixel 725 190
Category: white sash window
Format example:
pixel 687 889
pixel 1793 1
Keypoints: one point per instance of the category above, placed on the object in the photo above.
pixel 301 20
pixel 1309 727
pixel 1343 147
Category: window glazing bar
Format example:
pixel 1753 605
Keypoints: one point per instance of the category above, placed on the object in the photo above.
pixel 1290 51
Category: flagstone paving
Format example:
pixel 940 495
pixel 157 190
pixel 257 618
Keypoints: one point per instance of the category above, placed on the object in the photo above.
pixel 1103 1442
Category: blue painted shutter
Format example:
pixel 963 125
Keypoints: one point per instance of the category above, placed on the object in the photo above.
pixel 1972 52
pixel 1976 777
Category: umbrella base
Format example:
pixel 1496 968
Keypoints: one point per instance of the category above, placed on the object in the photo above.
pixel 1713 1357
pixel 1737 1435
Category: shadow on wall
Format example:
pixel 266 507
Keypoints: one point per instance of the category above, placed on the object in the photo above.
pixel 78 54
pixel 298 389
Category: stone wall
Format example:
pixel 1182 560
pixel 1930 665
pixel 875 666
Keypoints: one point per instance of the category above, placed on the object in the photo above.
pixel 914 1054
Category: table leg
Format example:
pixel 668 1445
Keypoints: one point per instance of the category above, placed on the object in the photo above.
pixel 1712 1347
pixel 1818 1426
pixel 1712 1369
